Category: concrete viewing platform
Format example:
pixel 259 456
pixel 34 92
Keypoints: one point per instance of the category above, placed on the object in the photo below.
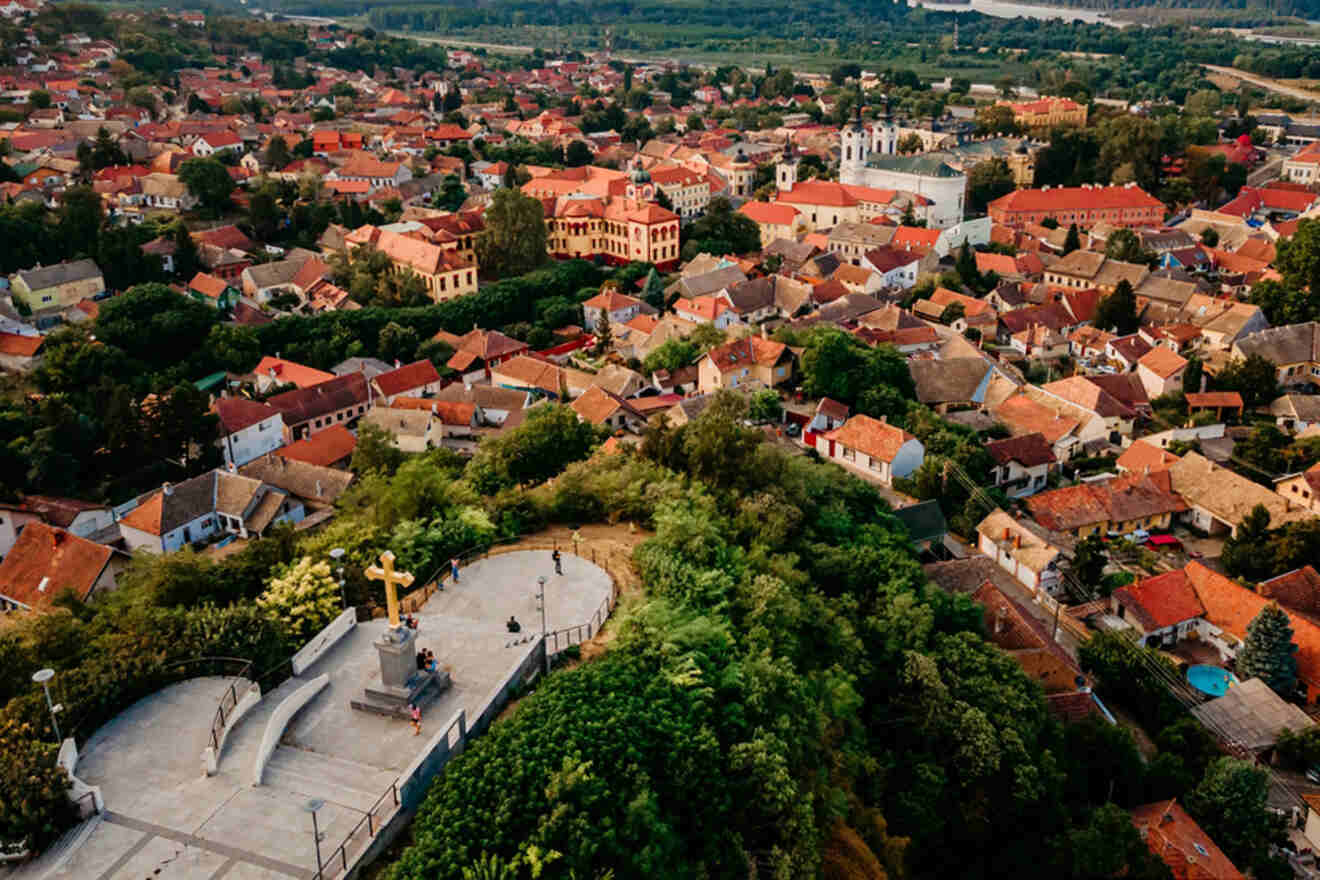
pixel 166 819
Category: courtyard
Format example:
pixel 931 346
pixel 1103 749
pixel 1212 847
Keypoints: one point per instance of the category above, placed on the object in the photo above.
pixel 165 819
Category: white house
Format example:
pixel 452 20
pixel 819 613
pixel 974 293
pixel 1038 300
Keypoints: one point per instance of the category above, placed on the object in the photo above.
pixel 1161 371
pixel 1022 463
pixel 248 429
pixel 1029 558
pixel 620 308
pixel 873 447
pixel 213 142
pixel 207 505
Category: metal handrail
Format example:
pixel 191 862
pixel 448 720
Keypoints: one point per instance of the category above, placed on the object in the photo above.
pixel 218 721
pixel 342 850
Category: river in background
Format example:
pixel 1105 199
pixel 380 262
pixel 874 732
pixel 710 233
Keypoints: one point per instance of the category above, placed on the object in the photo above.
pixel 1002 9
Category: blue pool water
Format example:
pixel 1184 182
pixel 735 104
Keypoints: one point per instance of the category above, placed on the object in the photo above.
pixel 1211 680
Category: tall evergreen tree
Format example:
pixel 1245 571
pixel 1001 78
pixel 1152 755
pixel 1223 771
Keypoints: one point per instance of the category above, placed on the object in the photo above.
pixel 1072 241
pixel 1269 653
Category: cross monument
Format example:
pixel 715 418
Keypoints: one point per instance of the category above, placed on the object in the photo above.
pixel 393 580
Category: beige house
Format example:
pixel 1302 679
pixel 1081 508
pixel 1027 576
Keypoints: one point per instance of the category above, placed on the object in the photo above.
pixel 413 430
pixel 745 364
pixel 872 447
pixel 1302 489
pixel 58 286
pixel 1293 349
pixel 1085 270
pixel 776 221
pixel 1032 560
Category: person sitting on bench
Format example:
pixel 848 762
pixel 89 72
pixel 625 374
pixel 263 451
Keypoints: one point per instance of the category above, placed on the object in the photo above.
pixel 513 625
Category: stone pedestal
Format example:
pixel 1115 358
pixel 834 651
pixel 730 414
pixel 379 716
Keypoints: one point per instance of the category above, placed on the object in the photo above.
pixel 401 682
pixel 398 657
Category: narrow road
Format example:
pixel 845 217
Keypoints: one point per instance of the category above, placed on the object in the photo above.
pixel 1264 83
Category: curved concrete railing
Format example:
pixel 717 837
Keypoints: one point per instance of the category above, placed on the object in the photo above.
pixel 79 791
pixel 323 641
pixel 280 719
pixel 246 703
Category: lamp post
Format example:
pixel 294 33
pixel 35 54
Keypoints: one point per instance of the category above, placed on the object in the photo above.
pixel 312 806
pixel 337 555
pixel 43 677
pixel 540 604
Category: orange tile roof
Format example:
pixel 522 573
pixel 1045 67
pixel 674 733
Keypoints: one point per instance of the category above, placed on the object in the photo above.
pixel 208 285
pixel 1176 839
pixel 44 554
pixel 1162 361
pixel 596 405
pixel 740 352
pixel 407 378
pixel 769 212
pixel 1145 457
pixel 449 412
pixel 877 439
pixel 286 372
pixel 20 346
pixel 1161 601
pixel 1076 198
pixel 323 448
pixel 1233 607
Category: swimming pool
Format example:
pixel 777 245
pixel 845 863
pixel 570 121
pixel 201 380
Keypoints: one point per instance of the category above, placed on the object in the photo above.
pixel 1211 679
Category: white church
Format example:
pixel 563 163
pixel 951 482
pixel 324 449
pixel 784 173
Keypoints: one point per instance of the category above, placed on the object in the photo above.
pixel 870 158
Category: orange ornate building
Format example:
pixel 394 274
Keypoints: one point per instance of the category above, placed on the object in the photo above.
pixel 601 213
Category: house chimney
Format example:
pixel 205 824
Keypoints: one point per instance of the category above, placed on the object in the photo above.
pixel 1006 533
pixel 233 468
pixel 167 488
pixel 319 493
pixel 1017 541
pixel 1000 623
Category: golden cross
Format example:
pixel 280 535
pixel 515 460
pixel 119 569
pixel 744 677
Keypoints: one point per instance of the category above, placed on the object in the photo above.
pixel 393 580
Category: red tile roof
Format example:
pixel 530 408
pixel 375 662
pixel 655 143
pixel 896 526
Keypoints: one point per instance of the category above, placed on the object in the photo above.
pixel 1161 601
pixel 448 412
pixel 1176 839
pixel 45 560
pixel 1076 198
pixel 237 413
pixel 740 352
pixel 20 346
pixel 1028 450
pixel 323 448
pixel 877 439
pixel 409 377
pixel 290 372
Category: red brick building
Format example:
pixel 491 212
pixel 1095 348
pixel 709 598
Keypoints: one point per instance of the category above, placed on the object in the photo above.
pixel 1084 205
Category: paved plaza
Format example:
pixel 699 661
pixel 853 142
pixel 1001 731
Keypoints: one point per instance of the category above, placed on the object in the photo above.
pixel 165 819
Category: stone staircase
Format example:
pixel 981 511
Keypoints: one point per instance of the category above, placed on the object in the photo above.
pixel 312 774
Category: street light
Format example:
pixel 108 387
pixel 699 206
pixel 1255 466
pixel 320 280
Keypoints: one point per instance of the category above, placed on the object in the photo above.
pixel 312 806
pixel 43 677
pixel 337 555
pixel 540 604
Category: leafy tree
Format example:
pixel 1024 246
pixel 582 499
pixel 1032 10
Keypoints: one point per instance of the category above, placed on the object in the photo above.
pixel 954 311
pixel 36 806
pixel 1210 237
pixel 277 153
pixel 550 438
pixel 996 119
pixel 187 261
pixel 452 194
pixel 986 182
pixel 1269 652
pixel 672 354
pixel 1090 559
pixel 1124 245
pixel 209 182
pixel 1253 377
pixel 721 230
pixel 396 343
pixel 1192 376
pixel 1108 845
pixel 577 154
pixel 838 365
pixel 1073 240
pixel 264 214
pixel 1284 304
pixel 514 240
pixel 103 152
pixel 1244 551
pixel 39 99
pixel 765 406
pixel 1117 311
pixel 1230 806
pixel 375 452
pixel 303 599
pixel 1298 258
pixel 80 219
pixel 653 291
